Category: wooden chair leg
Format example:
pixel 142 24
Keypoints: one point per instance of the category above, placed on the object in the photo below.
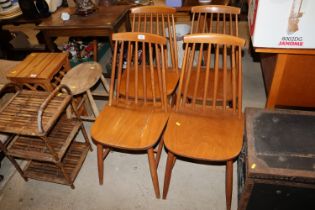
pixel 18 168
pixel 153 171
pixel 86 138
pixel 159 151
pixel 168 172
pixel 92 102
pixel 105 84
pixel 229 183
pixel 100 163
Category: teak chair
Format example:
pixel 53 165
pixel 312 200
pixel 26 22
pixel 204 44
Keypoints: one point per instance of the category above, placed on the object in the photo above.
pixel 158 20
pixel 201 130
pixel 215 19
pixel 131 123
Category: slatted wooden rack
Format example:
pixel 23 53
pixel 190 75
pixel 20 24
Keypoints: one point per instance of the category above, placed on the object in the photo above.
pixel 44 135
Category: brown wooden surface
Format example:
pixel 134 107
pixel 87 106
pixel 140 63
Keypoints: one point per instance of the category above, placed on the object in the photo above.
pixel 215 19
pixel 202 129
pixel 35 148
pixel 19 115
pixel 40 70
pixel 219 136
pixel 289 77
pixel 103 22
pixel 134 129
pixel 187 4
pixel 82 77
pixel 159 20
pixel 72 162
pixel 134 123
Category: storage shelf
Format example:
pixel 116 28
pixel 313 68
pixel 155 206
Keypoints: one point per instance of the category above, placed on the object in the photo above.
pixel 19 115
pixel 72 162
pixel 59 139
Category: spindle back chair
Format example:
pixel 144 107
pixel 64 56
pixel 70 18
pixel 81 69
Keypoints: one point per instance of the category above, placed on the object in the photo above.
pixel 203 127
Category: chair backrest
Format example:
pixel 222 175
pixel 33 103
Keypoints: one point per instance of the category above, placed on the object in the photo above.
pixel 134 70
pixel 215 19
pixel 219 56
pixel 157 20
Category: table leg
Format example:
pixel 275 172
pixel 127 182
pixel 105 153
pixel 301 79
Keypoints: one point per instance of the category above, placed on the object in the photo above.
pixel 50 45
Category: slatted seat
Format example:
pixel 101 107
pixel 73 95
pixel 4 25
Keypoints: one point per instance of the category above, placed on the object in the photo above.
pixel 21 114
pixel 201 128
pixel 132 121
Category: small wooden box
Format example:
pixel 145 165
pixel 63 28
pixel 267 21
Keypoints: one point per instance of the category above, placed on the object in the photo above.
pixel 276 168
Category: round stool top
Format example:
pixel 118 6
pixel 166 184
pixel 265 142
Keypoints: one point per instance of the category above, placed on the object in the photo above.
pixel 82 77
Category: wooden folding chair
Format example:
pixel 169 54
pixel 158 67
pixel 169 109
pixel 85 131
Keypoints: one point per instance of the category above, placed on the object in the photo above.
pixel 200 128
pixel 128 122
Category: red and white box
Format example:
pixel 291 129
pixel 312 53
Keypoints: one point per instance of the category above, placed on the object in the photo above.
pixel 282 23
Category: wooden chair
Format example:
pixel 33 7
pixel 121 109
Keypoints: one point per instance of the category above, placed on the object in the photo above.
pixel 159 20
pixel 131 123
pixel 215 19
pixel 201 130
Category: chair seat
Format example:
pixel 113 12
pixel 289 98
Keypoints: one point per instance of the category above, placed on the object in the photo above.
pixel 82 77
pixel 135 129
pixel 217 137
pixel 200 89
pixel 171 77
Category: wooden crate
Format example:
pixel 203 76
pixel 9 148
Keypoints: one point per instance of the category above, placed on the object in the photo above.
pixel 276 168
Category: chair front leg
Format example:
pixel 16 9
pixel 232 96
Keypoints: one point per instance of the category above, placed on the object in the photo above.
pixel 159 151
pixel 100 163
pixel 228 183
pixel 168 172
pixel 153 171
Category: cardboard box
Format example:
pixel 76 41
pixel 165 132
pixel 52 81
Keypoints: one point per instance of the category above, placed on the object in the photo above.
pixel 282 23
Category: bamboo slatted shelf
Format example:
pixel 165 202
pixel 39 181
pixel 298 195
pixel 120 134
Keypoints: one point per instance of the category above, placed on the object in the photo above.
pixel 72 162
pixel 35 149
pixel 44 134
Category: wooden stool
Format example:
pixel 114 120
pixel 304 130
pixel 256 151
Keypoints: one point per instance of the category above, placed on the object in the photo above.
pixel 81 79
pixel 40 71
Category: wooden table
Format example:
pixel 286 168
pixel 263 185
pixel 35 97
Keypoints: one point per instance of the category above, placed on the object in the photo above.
pixel 103 22
pixel 40 71
pixel 289 76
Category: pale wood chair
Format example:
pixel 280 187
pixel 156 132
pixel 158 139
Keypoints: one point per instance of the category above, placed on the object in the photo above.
pixel 158 20
pixel 215 19
pixel 218 19
pixel 201 130
pixel 131 123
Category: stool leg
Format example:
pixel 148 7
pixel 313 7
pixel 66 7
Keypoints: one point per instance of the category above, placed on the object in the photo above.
pixel 105 84
pixel 92 102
